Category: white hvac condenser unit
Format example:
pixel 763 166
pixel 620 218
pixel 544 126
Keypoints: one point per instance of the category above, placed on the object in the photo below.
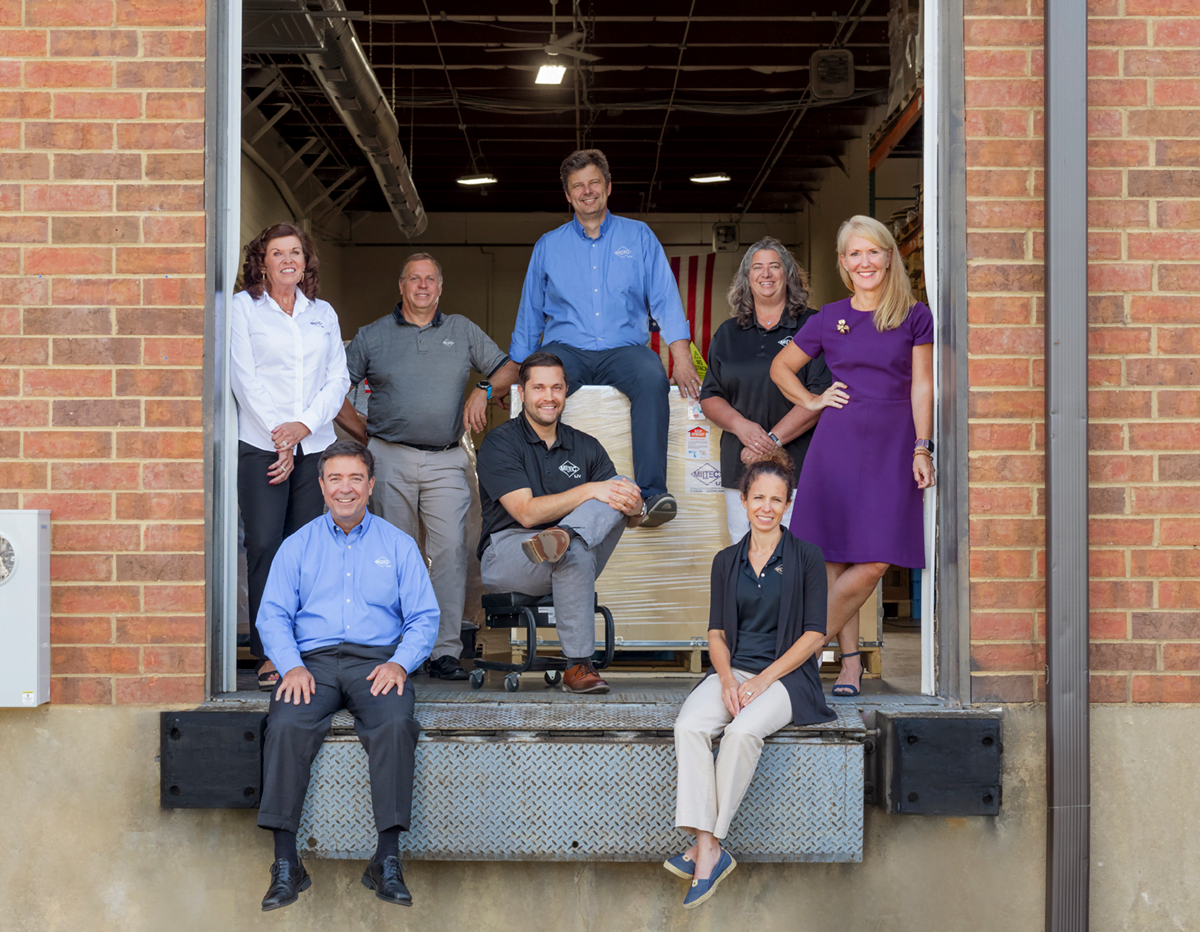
pixel 24 608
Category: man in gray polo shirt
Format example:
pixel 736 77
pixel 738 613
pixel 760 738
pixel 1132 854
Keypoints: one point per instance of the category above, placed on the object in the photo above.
pixel 417 361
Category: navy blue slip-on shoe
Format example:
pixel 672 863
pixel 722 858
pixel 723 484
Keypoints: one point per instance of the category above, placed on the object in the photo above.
pixel 681 866
pixel 701 890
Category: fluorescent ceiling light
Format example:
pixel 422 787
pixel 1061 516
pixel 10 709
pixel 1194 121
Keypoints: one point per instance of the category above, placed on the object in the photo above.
pixel 710 178
pixel 551 74
pixel 476 179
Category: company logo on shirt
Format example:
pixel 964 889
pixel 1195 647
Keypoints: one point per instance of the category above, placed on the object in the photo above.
pixel 569 469
pixel 624 253
pixel 447 342
pixel 785 341
pixel 779 569
pixel 384 562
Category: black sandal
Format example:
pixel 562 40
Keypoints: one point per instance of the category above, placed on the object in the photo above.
pixel 848 690
pixel 265 683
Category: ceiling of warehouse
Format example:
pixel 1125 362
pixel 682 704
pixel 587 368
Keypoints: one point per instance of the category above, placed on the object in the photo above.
pixel 679 87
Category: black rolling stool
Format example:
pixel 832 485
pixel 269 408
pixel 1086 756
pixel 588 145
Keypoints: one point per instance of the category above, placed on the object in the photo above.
pixel 514 610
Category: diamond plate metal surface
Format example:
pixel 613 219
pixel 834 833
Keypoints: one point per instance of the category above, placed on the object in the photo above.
pixel 575 799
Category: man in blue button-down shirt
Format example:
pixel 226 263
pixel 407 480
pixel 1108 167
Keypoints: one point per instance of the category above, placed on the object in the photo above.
pixel 348 612
pixel 591 287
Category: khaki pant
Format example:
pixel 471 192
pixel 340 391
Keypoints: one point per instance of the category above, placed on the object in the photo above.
pixel 709 793
pixel 412 484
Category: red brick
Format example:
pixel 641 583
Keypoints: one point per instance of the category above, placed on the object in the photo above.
pixel 174 538
pixel 173 476
pixel 1006 277
pixel 994 182
pixel 101 412
pixel 159 13
pixel 25 166
pixel 1008 594
pixel 10 382
pixel 996 245
pixel 94 43
pixel 1162 122
pixel 1111 214
pixel 23 230
pixel 1160 63
pixel 999 63
pixel 1001 626
pixel 174 414
pixel 173 351
pixel 169 260
pixel 1163 626
pixel 1002 31
pixel 1166 688
pixel 173 230
pixel 1165 563
pixel 80 567
pixel 10 72
pixel 1118 341
pixel 74 506
pixel 1125 594
pixel 160 629
pixel 84 600
pixel 1001 564
pixel 68 135
pixel 1120 468
pixel 1107 625
pixel 10 445
pixel 177 444
pixel 999 436
pixel 81 690
pixel 94 538
pixel 161 321
pixel 1003 123
pixel 1006 341
pixel 1103 182
pixel 1009 467
pixel 23 352
pixel 66 444
pixel 18 475
pixel 67 382
pixel 1114 277
pixel 97 291
pixel 1005 214
pixel 23 43
pixel 80 629
pixel 1178 404
pixel 175 166
pixel 1122 33
pixel 1182 215
pixel 175 598
pixel 1180 468
pixel 1159 246
pixel 1105 564
pixel 24 105
pixel 186 292
pixel 1122 656
pixel 159 690
pixel 1000 500
pixel 1005 310
pixel 160 567
pixel 998 372
pixel 24 414
pixel 94 659
pixel 1005 657
pixel 1179 277
pixel 1006 404
pixel 1170 371
pixel 115 105
pixel 173 659
pixel 1007 93
pixel 75 13
pixel 1002 688
pixel 1184 657
pixel 1176 593
pixel 10 320
pixel 90 198
pixel 160 74
pixel 95 229
pixel 98 351
pixel 174 197
pixel 160 382
pixel 1159 7
pixel 68 74
pixel 174 135
pixel 1108 688
pixel 1179 531
pixel 1173 93
pixel 1161 309
pixel 1105 123
pixel 177 105
pixel 97 166
pixel 94 475
pixel 1179 182
pixel 52 260
pixel 1101 501
pixel 1007 532
pixel 173 44
pixel 1117 92
pixel 1100 246
pixel 167 506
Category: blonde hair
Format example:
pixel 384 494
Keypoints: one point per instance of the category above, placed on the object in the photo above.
pixel 896 295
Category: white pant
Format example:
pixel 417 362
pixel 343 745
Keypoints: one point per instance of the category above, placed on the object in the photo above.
pixel 709 793
pixel 735 515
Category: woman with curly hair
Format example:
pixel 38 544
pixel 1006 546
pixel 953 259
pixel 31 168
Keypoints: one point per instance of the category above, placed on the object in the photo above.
pixel 288 374
pixel 872 454
pixel 769 302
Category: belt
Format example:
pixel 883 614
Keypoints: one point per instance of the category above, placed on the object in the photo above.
pixel 430 448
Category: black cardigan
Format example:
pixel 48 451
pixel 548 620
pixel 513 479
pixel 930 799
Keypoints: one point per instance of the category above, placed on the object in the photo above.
pixel 801 608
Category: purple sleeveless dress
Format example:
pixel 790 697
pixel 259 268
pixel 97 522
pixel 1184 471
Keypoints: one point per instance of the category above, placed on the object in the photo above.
pixel 856 498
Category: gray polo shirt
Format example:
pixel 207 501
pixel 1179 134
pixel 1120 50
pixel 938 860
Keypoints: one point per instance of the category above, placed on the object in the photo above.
pixel 418 375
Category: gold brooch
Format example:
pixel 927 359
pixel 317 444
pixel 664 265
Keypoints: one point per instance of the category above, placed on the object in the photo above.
pixel 843 327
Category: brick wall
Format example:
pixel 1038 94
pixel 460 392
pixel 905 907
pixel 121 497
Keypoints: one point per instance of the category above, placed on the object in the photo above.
pixel 1144 217
pixel 101 323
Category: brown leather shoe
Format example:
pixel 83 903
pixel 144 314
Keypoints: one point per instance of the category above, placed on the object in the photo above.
pixel 547 546
pixel 583 678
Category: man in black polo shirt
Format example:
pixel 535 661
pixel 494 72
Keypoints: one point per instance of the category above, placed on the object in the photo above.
pixel 538 474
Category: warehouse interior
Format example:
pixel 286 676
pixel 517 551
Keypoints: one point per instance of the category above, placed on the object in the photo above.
pixel 387 127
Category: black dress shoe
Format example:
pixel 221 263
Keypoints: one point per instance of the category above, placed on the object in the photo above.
pixel 387 880
pixel 288 881
pixel 447 668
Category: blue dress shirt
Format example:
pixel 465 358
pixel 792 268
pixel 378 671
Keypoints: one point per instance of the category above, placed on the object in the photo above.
pixel 327 587
pixel 594 294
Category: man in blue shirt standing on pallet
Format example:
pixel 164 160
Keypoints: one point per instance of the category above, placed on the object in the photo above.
pixel 347 614
pixel 591 287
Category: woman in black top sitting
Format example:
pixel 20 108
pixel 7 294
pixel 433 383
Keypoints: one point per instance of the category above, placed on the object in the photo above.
pixel 766 630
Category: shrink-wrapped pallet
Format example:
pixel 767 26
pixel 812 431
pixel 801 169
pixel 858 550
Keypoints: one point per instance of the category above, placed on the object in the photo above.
pixel 657 581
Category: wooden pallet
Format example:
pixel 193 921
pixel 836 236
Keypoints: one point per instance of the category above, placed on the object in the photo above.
pixel 872 659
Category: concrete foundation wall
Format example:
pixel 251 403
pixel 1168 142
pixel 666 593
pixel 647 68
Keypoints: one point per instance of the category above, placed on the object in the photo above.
pixel 87 847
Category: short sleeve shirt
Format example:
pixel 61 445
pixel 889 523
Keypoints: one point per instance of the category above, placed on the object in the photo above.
pixel 418 375
pixel 514 457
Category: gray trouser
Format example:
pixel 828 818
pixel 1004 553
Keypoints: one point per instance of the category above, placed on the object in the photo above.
pixel 411 483
pixel 505 568
pixel 384 723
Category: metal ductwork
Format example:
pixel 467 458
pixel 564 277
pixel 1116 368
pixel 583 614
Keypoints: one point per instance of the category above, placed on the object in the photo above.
pixel 342 69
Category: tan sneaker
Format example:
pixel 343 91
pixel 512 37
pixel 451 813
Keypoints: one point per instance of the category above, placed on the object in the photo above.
pixel 547 546
pixel 583 678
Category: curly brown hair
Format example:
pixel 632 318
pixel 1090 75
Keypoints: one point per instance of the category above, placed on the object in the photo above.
pixel 777 463
pixel 741 298
pixel 254 270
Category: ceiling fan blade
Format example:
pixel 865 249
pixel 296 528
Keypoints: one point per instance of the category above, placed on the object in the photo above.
pixel 573 53
pixel 569 39
pixel 515 48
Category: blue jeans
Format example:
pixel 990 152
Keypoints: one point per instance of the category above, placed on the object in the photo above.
pixel 638 373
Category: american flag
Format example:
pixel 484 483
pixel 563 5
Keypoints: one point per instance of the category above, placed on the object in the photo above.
pixel 694 276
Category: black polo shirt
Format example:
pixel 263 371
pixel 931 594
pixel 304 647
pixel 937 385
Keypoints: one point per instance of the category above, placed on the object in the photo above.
pixel 758 611
pixel 739 370
pixel 513 457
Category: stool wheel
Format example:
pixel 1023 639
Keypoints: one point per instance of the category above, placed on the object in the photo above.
pixel 512 682
pixel 553 677
pixel 477 679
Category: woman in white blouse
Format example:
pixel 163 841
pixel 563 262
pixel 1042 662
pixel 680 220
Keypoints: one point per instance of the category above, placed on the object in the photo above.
pixel 288 372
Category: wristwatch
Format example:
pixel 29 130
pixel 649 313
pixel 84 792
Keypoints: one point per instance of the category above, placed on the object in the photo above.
pixel 778 442
pixel 922 443
pixel 486 386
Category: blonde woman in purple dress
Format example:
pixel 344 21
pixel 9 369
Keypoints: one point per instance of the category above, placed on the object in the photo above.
pixel 860 492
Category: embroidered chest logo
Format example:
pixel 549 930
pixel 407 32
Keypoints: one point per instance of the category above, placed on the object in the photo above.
pixel 447 342
pixel 569 469
pixel 779 569
pixel 785 341
pixel 624 253
pixel 384 562
pixel 316 323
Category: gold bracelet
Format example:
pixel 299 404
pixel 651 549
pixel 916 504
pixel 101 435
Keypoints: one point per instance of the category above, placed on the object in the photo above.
pixel 919 451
